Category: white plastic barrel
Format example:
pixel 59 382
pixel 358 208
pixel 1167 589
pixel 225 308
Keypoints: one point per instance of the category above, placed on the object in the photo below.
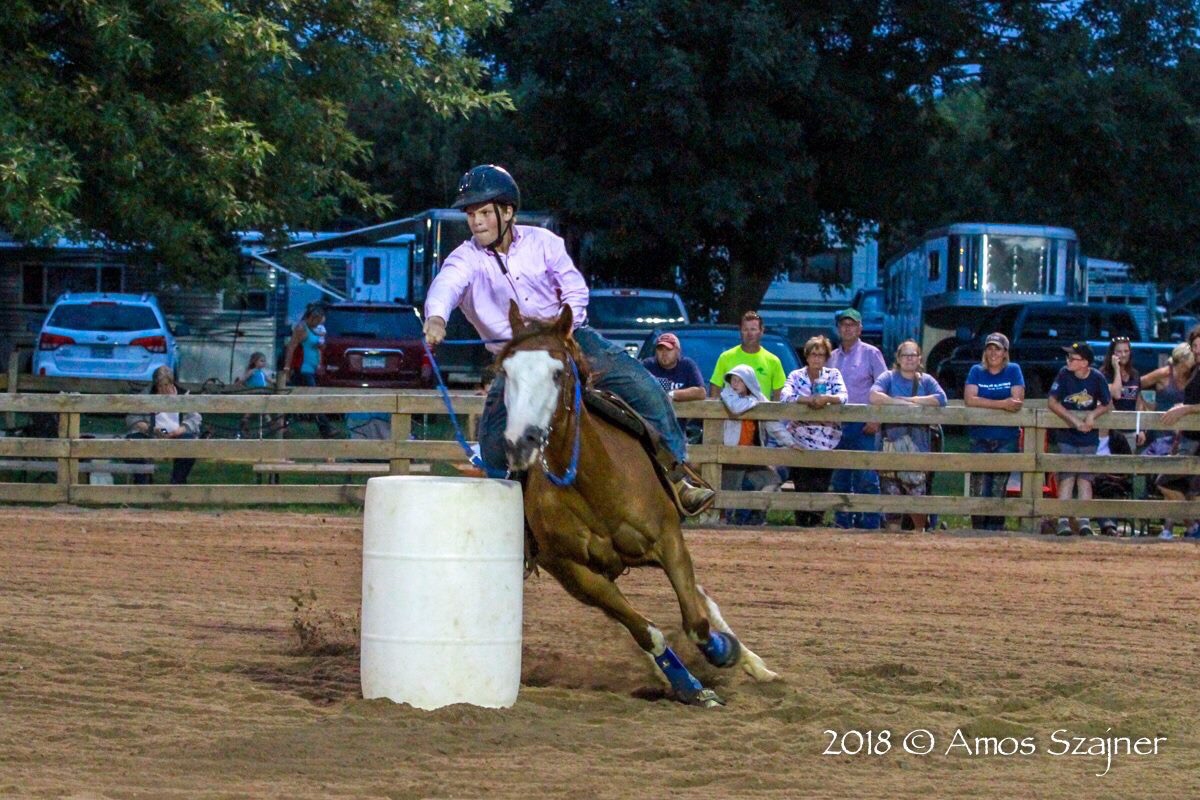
pixel 441 591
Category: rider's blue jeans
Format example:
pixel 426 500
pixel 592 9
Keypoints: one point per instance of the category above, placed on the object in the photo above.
pixel 856 481
pixel 613 370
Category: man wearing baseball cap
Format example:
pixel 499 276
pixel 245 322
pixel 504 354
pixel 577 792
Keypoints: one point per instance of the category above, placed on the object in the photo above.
pixel 680 378
pixel 860 364
pixel 1078 396
pixel 678 375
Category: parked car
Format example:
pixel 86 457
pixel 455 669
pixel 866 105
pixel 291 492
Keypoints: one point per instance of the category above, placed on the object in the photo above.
pixel 625 316
pixel 374 345
pixel 96 335
pixel 705 343
pixel 1037 334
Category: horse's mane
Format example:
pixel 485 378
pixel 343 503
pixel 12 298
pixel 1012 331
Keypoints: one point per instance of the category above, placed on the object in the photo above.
pixel 535 329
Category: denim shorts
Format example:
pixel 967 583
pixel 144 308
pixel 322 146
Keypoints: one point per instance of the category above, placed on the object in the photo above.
pixel 1077 450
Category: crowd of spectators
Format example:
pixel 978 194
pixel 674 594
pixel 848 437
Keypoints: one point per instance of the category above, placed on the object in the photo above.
pixel 854 372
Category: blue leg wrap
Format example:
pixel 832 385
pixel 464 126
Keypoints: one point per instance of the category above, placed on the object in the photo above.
pixel 682 681
pixel 721 649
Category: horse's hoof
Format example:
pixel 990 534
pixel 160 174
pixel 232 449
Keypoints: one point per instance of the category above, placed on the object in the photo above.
pixel 705 698
pixel 722 649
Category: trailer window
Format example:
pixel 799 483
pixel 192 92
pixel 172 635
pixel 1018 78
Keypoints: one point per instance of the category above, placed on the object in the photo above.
pixel 371 270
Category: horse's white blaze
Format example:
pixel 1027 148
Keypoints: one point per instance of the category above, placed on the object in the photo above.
pixel 749 661
pixel 530 391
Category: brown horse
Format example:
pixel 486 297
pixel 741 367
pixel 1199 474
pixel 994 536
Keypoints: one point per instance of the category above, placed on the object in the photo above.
pixel 612 514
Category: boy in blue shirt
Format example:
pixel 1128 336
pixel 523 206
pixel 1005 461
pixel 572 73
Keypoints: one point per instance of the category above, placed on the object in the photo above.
pixel 1079 396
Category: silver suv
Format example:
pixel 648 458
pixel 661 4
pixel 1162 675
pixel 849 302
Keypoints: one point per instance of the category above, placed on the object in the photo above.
pixel 93 335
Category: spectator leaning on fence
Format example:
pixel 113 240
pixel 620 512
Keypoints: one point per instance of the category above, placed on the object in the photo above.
pixel 1189 441
pixel 816 386
pixel 679 376
pixel 165 425
pixel 905 385
pixel 860 364
pixel 1079 396
pixel 740 394
pixel 1125 386
pixel 997 384
pixel 1168 382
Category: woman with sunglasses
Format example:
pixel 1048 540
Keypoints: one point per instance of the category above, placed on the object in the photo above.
pixel 1125 386
pixel 906 385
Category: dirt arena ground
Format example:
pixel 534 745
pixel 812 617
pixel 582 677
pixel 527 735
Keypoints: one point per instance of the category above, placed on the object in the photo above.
pixel 148 654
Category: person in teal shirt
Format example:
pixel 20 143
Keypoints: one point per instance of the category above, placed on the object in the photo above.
pixel 309 336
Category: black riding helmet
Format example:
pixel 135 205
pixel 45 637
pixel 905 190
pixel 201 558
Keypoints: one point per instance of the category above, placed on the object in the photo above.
pixel 489 183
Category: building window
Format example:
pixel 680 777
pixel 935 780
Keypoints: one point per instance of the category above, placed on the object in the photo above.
pixel 935 265
pixel 33 285
pixel 42 284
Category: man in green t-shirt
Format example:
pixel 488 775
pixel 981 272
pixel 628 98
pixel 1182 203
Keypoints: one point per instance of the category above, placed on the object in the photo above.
pixel 766 365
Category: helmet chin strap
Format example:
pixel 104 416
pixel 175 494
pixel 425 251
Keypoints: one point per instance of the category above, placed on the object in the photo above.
pixel 504 229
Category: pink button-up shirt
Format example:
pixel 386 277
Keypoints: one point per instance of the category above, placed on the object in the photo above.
pixel 541 278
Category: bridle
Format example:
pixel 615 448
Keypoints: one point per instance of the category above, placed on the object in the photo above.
pixel 567 478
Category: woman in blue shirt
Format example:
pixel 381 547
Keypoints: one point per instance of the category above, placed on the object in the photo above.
pixel 905 384
pixel 997 384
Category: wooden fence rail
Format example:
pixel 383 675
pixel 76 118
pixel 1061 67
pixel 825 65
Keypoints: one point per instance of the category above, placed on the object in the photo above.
pixel 70 447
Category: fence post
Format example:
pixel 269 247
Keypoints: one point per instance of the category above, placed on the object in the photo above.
pixel 14 369
pixel 713 436
pixel 401 430
pixel 68 468
pixel 1032 482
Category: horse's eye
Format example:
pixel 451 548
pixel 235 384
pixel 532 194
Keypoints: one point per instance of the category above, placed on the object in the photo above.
pixel 558 377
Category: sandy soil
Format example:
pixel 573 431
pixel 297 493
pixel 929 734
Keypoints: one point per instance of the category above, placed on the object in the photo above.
pixel 153 654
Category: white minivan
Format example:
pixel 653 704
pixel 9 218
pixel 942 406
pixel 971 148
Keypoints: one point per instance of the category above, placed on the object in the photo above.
pixel 626 316
pixel 94 335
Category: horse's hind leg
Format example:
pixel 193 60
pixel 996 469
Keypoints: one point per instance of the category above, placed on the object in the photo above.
pixel 597 590
pixel 749 661
pixel 701 617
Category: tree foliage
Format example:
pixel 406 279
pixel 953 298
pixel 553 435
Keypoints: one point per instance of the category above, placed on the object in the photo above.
pixel 171 125
pixel 1089 120
pixel 722 135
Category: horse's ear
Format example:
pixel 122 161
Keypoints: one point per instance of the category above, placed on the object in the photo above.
pixel 514 318
pixel 565 323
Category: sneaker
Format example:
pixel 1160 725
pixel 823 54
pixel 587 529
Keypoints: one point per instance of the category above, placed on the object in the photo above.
pixel 1085 529
pixel 1193 532
pixel 1064 529
pixel 1108 530
pixel 1166 535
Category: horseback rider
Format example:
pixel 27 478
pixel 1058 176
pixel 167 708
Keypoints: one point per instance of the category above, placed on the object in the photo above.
pixel 503 261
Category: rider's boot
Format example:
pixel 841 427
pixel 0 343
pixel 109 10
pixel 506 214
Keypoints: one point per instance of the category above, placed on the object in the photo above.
pixel 695 495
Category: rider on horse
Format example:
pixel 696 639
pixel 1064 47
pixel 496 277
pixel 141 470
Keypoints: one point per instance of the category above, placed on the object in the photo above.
pixel 504 262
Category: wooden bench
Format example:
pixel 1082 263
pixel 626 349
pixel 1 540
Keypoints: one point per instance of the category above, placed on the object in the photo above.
pixel 273 469
pixel 98 470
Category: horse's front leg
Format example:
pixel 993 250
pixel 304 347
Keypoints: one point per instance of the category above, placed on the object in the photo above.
pixel 597 590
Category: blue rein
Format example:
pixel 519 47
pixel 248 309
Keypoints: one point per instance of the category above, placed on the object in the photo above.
pixel 566 479
pixel 476 460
